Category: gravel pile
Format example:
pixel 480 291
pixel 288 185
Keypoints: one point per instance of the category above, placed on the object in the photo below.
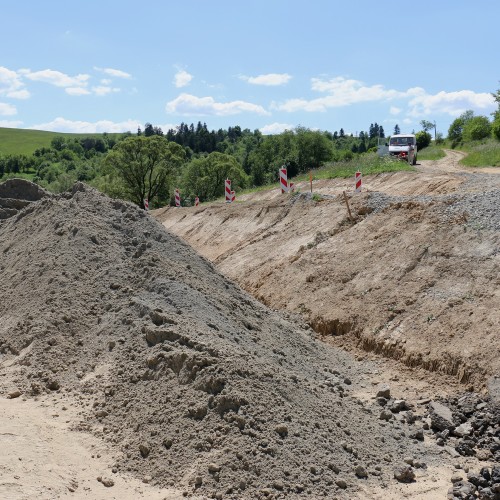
pixel 477 202
pixel 190 380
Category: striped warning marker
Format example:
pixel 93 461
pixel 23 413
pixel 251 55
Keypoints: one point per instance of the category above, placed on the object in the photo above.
pixel 196 201
pixel 358 181
pixel 177 198
pixel 146 204
pixel 227 189
pixel 233 196
pixel 283 180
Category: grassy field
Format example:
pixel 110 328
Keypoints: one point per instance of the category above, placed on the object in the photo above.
pixel 16 141
pixel 483 154
pixel 432 152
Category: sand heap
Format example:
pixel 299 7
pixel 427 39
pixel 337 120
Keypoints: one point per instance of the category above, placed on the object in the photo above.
pixel 16 194
pixel 192 381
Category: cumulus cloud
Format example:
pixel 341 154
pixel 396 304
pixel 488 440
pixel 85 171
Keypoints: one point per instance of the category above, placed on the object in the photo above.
pixel 77 91
pixel 394 110
pixel 451 103
pixel 270 79
pixel 182 78
pixel 57 78
pixel 276 128
pixel 190 105
pixel 11 84
pixel 104 90
pixel 340 92
pixel 10 123
pixel 117 73
pixel 63 125
pixel 7 109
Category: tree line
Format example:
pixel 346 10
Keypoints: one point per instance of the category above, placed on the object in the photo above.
pixel 197 157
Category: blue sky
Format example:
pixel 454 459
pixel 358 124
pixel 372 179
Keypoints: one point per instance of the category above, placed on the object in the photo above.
pixel 96 66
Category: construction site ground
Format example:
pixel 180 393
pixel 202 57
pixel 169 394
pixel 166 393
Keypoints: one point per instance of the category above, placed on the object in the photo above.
pixel 133 368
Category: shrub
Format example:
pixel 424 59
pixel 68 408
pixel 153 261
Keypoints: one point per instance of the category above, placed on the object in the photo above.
pixel 476 128
pixel 423 139
pixel 495 128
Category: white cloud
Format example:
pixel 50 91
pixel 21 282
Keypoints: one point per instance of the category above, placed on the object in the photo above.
pixel 104 90
pixel 11 84
pixel 7 109
pixel 451 103
pixel 394 110
pixel 106 81
pixel 341 92
pixel 182 78
pixel 191 105
pixel 271 79
pixel 62 125
pixel 117 73
pixel 10 124
pixel 276 128
pixel 76 91
pixel 57 78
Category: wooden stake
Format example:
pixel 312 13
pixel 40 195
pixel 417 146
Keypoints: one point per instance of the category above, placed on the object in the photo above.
pixel 348 208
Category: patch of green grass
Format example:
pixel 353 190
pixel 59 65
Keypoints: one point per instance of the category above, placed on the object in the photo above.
pixel 368 164
pixel 432 152
pixel 17 141
pixel 482 154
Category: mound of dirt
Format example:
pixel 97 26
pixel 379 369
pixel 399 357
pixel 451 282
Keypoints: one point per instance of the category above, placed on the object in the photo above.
pixel 16 194
pixel 193 382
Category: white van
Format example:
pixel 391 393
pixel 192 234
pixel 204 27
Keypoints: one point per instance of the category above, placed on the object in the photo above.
pixel 403 145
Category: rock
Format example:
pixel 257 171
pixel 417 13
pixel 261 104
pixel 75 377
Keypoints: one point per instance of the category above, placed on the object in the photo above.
pixel 456 478
pixel 341 484
pixel 383 391
pixel 106 481
pixel 360 471
pixel 464 449
pixel 462 430
pixel 397 405
pixel 14 394
pixel 144 449
pixel 417 434
pixel 404 473
pixel 386 415
pixel 441 416
pixel 483 454
pixel 282 430
pixel 213 468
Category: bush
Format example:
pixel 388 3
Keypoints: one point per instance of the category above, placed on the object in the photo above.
pixel 423 139
pixel 495 128
pixel 476 128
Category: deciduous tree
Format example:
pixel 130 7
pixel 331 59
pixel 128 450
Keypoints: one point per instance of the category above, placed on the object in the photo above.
pixel 145 165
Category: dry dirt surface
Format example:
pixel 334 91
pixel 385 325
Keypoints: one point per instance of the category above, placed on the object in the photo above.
pixel 132 367
pixel 413 277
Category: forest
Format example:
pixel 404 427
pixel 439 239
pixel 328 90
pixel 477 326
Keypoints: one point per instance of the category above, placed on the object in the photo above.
pixel 150 162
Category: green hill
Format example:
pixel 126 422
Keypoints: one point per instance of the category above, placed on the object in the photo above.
pixel 24 141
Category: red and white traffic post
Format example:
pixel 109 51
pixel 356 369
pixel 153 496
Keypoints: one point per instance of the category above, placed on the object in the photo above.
pixel 283 180
pixel 230 196
pixel 146 204
pixel 177 195
pixel 196 201
pixel 358 181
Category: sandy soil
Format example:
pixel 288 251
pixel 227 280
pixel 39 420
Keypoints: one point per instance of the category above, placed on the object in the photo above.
pixel 411 297
pixel 40 457
pixel 403 283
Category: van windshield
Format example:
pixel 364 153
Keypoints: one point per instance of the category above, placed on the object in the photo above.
pixel 401 141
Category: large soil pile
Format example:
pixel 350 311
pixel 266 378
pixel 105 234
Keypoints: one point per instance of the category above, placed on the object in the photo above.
pixel 192 381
